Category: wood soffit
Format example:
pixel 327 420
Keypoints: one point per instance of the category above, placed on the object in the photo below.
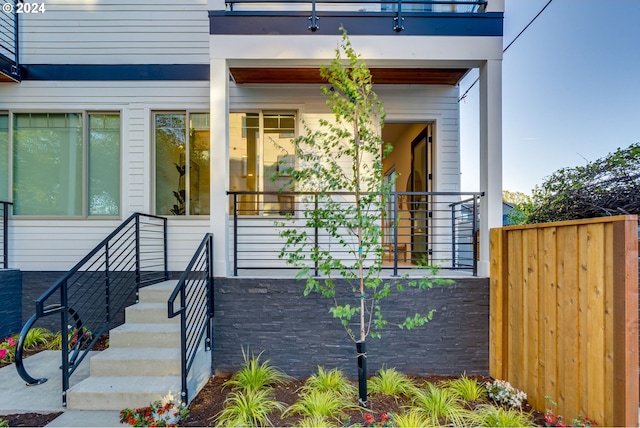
pixel 380 76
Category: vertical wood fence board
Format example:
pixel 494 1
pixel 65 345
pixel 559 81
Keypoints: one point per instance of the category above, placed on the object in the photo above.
pixel 549 283
pixel 569 314
pixel 515 363
pixel 496 306
pixel 625 301
pixel 567 317
pixel 609 325
pixel 593 391
pixel 531 310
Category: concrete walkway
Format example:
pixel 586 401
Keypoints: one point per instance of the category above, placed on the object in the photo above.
pixel 47 398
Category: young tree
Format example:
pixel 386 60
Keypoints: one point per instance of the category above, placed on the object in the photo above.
pixel 340 162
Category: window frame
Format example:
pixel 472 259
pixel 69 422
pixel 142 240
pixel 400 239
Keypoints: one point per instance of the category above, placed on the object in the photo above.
pixel 187 183
pixel 297 113
pixel 85 163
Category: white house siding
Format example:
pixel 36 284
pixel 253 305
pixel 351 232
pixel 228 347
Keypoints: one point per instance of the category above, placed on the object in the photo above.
pixel 116 32
pixel 411 103
pixel 58 244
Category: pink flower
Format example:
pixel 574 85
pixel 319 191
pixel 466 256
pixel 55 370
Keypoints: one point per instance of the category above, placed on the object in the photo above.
pixel 3 353
pixel 11 341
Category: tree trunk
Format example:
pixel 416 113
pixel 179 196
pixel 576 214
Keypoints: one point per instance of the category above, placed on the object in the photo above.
pixel 362 372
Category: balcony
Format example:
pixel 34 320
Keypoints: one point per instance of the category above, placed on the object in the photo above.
pixel 360 17
pixel 9 58
pixel 433 228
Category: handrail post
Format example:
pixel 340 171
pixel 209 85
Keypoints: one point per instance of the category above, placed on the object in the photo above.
pixel 235 234
pixel 64 332
pixel 138 273
pixel 166 248
pixel 316 234
pixel 475 235
pixel 5 230
pixel 453 236
pixel 106 282
pixel 396 222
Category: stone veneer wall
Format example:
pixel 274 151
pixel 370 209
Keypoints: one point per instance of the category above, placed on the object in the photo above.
pixel 11 302
pixel 297 333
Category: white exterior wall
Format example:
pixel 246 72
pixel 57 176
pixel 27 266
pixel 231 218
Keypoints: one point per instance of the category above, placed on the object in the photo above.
pixel 116 32
pixel 58 244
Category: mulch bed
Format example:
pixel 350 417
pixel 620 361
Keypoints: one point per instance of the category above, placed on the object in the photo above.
pixel 210 401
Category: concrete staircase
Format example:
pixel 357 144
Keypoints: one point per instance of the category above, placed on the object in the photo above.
pixel 142 363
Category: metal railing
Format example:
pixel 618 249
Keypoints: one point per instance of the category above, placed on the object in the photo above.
pixel 97 289
pixel 434 228
pixel 194 292
pixel 9 44
pixel 456 6
pixel 4 234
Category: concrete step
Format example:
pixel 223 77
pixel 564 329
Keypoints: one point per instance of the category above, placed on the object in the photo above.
pixel 149 313
pixel 117 393
pixel 145 335
pixel 136 362
pixel 157 293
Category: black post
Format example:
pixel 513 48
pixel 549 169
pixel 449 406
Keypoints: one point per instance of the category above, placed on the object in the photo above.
pixel 362 373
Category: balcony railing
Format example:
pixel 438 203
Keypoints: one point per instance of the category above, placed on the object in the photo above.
pixel 9 54
pixel 456 6
pixel 435 228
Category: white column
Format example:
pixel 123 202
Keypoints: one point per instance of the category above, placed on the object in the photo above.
pixel 490 155
pixel 219 111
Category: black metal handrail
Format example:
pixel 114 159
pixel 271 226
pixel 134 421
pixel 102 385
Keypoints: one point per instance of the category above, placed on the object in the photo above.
pixel 9 42
pixel 195 293
pixel 418 228
pixel 4 234
pixel 97 289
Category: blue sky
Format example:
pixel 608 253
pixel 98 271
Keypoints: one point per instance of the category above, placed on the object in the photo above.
pixel 571 89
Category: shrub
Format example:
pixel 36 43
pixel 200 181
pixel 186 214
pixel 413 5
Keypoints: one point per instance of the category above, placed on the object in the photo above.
pixel 502 392
pixel 440 405
pixel 255 375
pixel 248 408
pixel 391 382
pixel 332 381
pixel 467 389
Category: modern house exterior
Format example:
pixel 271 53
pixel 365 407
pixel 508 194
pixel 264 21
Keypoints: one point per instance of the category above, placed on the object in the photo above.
pixel 173 109
pixel 118 84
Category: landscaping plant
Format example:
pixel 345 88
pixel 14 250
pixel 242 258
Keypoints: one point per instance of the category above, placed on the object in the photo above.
pixel 502 392
pixel 487 415
pixel 391 382
pixel 248 408
pixel 160 413
pixel 345 155
pixel 255 375
pixel 467 389
pixel 553 420
pixel 441 406
pixel 333 381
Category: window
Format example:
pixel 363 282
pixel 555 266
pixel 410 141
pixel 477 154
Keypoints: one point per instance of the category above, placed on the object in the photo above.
pixel 59 170
pixel 260 143
pixel 182 177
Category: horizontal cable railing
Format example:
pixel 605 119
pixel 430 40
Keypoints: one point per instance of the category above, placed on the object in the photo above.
pixel 456 6
pixel 4 234
pixel 434 228
pixel 92 296
pixel 194 294
pixel 9 56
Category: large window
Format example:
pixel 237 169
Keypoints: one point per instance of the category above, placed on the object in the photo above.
pixel 260 143
pixel 61 170
pixel 182 177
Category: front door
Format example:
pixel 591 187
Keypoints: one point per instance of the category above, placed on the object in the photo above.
pixel 420 182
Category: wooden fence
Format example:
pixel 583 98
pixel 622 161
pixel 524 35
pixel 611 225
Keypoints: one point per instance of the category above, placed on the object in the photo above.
pixel 564 316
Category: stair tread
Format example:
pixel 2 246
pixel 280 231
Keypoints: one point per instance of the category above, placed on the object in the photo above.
pixel 119 384
pixel 138 353
pixel 141 326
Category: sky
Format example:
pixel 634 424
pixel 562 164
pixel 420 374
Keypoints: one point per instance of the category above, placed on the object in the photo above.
pixel 571 89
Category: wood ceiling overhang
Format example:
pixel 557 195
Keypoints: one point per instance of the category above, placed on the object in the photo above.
pixel 380 76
